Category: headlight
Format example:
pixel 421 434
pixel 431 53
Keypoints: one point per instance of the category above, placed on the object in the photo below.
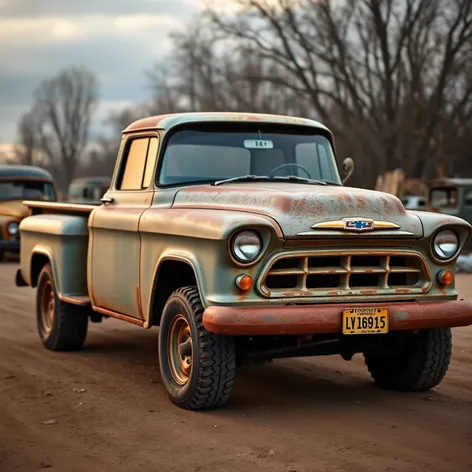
pixel 12 228
pixel 445 244
pixel 247 246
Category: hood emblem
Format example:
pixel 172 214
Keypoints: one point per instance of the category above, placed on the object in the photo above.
pixel 357 225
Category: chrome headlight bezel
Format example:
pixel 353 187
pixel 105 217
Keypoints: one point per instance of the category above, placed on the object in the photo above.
pixel 13 228
pixel 250 238
pixel 441 253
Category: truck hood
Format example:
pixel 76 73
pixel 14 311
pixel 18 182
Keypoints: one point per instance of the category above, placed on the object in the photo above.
pixel 13 208
pixel 297 207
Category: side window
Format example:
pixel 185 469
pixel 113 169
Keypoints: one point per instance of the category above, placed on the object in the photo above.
pixel 139 164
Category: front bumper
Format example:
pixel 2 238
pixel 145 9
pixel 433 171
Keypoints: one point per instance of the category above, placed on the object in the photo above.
pixel 10 245
pixel 326 319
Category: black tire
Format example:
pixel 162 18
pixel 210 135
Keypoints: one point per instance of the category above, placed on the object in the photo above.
pixel 210 377
pixel 65 328
pixel 2 255
pixel 419 363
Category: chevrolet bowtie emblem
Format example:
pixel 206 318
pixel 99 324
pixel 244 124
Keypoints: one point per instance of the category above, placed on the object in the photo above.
pixel 356 224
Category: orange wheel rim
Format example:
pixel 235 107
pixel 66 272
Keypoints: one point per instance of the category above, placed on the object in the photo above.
pixel 47 306
pixel 180 349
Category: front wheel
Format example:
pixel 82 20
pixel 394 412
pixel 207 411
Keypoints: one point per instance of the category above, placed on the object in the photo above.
pixel 416 362
pixel 197 367
pixel 61 326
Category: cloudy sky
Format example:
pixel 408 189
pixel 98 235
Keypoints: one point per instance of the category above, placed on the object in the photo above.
pixel 117 39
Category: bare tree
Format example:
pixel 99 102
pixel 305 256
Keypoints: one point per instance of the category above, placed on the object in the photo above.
pixel 388 75
pixel 65 105
pixel 205 73
pixel 28 148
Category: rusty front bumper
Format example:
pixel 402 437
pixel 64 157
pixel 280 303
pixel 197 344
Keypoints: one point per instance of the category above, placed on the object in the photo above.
pixel 324 319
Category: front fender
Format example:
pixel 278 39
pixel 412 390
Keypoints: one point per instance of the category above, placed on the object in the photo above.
pixel 202 224
pixel 433 222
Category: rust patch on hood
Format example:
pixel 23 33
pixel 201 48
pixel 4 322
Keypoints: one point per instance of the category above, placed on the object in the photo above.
pixel 296 207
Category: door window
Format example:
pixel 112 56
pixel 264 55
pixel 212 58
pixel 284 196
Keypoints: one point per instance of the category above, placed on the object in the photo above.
pixel 139 164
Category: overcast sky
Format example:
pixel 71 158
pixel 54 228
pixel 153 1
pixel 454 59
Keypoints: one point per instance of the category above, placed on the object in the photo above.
pixel 117 39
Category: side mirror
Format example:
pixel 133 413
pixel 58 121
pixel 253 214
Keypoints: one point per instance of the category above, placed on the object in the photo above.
pixel 348 168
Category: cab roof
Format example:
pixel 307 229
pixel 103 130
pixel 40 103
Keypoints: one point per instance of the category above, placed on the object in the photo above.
pixel 166 122
pixel 17 171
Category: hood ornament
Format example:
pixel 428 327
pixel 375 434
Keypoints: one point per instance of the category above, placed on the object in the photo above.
pixel 357 225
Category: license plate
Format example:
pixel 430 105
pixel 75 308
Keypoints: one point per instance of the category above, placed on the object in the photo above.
pixel 365 320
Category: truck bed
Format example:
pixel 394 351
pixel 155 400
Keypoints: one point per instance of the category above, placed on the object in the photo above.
pixel 56 233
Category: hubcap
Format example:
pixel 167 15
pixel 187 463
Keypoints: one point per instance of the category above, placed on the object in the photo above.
pixel 47 307
pixel 180 350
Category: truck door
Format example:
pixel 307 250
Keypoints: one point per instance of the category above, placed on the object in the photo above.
pixel 115 242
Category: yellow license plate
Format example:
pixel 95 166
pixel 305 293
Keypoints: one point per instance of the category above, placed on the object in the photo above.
pixel 365 320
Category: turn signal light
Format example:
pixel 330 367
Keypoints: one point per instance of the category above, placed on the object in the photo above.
pixel 445 277
pixel 244 282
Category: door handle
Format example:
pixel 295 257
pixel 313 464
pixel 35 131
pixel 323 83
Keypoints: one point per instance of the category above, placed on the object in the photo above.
pixel 106 200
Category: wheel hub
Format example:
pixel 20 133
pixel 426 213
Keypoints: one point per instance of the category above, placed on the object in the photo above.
pixel 180 349
pixel 47 307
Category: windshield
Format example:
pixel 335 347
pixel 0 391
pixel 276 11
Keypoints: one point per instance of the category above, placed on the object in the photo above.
pixel 443 197
pixel 26 190
pixel 214 154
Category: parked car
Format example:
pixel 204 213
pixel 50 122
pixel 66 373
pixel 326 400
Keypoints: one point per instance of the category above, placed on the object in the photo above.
pixel 414 202
pixel 88 189
pixel 18 183
pixel 235 235
pixel 452 197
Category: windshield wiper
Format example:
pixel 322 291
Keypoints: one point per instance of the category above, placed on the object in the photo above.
pixel 299 179
pixel 241 178
pixel 289 178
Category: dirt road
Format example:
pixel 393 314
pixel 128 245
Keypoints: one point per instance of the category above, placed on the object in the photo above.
pixel 111 413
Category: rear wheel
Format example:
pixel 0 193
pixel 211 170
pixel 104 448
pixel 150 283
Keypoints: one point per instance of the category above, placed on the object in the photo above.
pixel 61 326
pixel 2 255
pixel 417 362
pixel 197 367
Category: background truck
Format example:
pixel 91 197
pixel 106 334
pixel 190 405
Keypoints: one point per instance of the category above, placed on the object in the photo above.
pixel 19 183
pixel 235 235
pixel 452 197
pixel 88 189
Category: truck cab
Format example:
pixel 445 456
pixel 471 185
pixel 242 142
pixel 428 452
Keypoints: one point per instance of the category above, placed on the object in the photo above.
pixel 235 234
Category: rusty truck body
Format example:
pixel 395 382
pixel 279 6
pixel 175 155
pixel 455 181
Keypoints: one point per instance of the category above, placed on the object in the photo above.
pixel 235 234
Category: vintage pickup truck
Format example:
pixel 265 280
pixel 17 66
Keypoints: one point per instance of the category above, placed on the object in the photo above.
pixel 235 235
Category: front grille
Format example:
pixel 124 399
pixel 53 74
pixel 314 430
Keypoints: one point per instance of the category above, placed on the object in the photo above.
pixel 345 273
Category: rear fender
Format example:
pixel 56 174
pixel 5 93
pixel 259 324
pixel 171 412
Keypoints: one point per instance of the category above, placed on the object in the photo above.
pixel 61 240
